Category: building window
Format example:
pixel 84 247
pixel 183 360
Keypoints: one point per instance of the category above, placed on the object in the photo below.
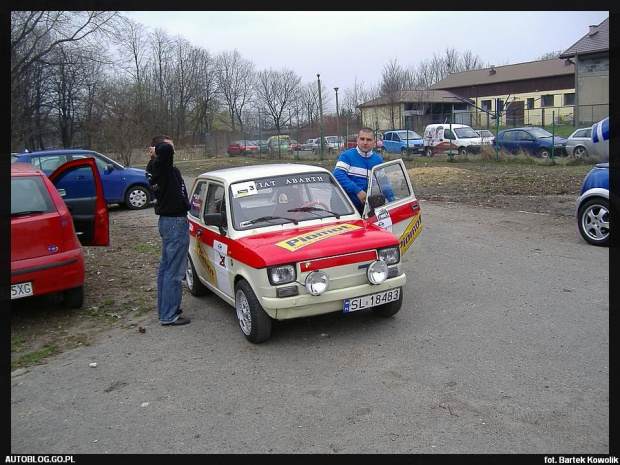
pixel 569 99
pixel 485 105
pixel 530 103
pixel 547 101
pixel 500 105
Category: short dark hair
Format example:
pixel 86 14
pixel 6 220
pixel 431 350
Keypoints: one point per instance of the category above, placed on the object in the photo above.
pixel 368 130
pixel 159 138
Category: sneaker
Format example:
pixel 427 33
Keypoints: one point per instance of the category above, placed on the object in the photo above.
pixel 179 321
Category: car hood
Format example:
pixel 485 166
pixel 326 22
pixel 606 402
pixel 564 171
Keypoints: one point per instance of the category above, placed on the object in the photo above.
pixel 310 243
pixel 137 171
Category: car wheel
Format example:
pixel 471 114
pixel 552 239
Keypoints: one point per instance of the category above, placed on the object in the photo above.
pixel 579 152
pixel 593 221
pixel 428 151
pixel 253 320
pixel 137 197
pixel 389 309
pixel 193 283
pixel 462 151
pixel 74 298
pixel 544 153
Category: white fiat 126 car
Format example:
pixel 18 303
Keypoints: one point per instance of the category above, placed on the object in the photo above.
pixel 283 241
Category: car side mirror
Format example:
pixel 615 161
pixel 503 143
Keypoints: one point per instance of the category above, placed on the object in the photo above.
pixel 216 219
pixel 374 201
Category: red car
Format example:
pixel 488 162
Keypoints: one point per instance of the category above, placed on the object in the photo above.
pixel 295 146
pixel 49 225
pixel 242 147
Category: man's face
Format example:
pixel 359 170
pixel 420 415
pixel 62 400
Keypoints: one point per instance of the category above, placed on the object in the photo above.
pixel 152 153
pixel 365 141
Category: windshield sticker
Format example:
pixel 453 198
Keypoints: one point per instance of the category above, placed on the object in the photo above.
pixel 411 233
pixel 243 189
pixel 297 242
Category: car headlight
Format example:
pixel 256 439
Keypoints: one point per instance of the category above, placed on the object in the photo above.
pixel 317 283
pixel 377 272
pixel 390 255
pixel 281 274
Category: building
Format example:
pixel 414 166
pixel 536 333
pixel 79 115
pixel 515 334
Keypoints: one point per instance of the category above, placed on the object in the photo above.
pixel 590 55
pixel 572 89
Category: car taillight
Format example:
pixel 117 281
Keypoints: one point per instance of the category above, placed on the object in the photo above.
pixel 66 225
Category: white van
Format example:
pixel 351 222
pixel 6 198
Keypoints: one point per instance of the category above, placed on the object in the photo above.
pixel 444 137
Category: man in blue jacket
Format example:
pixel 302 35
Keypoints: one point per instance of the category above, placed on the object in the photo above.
pixel 353 167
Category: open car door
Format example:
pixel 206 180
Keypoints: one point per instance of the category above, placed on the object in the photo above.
pixel 392 204
pixel 88 207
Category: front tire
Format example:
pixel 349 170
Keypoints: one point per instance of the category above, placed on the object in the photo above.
pixel 389 309
pixel 428 151
pixel 579 152
pixel 74 298
pixel 462 151
pixel 137 198
pixel 544 153
pixel 193 283
pixel 593 221
pixel 253 320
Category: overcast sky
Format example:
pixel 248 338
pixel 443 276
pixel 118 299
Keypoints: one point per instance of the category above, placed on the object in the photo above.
pixel 349 46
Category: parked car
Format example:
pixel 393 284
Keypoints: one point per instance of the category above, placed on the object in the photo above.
pixel 593 206
pixel 310 144
pixel 242 147
pixel 403 141
pixel 532 140
pixel 334 142
pixel 261 144
pixel 488 138
pixel 450 137
pixel 51 218
pixel 279 144
pixel 579 143
pixel 283 241
pixel 295 146
pixel 121 184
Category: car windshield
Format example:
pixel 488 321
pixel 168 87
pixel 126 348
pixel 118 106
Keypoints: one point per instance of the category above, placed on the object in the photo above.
pixel 540 132
pixel 287 199
pixel 411 135
pixel 466 133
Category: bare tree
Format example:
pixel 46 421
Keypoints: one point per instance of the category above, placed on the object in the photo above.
pixel 275 91
pixel 235 79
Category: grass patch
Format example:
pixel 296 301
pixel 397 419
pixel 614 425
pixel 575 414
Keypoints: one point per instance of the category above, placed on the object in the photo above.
pixel 34 357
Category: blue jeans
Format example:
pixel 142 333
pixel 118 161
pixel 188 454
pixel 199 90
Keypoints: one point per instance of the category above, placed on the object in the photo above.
pixel 174 232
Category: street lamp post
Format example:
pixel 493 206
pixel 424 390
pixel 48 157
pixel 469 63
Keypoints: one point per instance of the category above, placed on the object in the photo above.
pixel 318 77
pixel 337 116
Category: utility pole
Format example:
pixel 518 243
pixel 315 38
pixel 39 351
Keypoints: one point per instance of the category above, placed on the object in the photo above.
pixel 318 77
pixel 337 116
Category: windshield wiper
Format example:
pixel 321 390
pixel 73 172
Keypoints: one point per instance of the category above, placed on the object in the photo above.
pixel 268 218
pixel 312 210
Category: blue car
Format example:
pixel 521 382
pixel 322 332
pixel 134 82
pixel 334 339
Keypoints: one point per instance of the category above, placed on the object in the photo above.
pixel 532 140
pixel 403 141
pixel 121 185
pixel 593 206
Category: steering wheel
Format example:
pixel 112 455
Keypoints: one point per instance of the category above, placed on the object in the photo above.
pixel 312 203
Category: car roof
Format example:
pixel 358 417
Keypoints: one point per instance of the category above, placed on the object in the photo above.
pixel 57 151
pixel 244 173
pixel 24 169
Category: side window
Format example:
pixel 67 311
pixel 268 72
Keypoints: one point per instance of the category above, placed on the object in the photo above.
pixel 215 202
pixel 49 162
pixel 524 136
pixel 509 136
pixel 197 198
pixel 447 135
pixel 391 182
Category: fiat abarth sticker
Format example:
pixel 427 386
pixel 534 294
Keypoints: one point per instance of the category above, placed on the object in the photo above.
pixel 297 242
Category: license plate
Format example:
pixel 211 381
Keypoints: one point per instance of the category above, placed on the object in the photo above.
pixel 21 290
pixel 367 301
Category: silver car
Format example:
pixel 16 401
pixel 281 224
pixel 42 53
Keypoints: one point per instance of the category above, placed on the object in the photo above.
pixel 579 143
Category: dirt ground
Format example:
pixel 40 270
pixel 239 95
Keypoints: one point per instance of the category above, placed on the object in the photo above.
pixel 121 279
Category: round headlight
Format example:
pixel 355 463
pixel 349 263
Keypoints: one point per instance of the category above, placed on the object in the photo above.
pixel 317 283
pixel 377 272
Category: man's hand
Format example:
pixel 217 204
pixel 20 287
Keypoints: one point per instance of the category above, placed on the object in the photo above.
pixel 362 196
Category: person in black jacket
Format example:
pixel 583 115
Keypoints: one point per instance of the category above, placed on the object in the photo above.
pixel 171 205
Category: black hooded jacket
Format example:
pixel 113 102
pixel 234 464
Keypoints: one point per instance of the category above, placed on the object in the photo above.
pixel 167 183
